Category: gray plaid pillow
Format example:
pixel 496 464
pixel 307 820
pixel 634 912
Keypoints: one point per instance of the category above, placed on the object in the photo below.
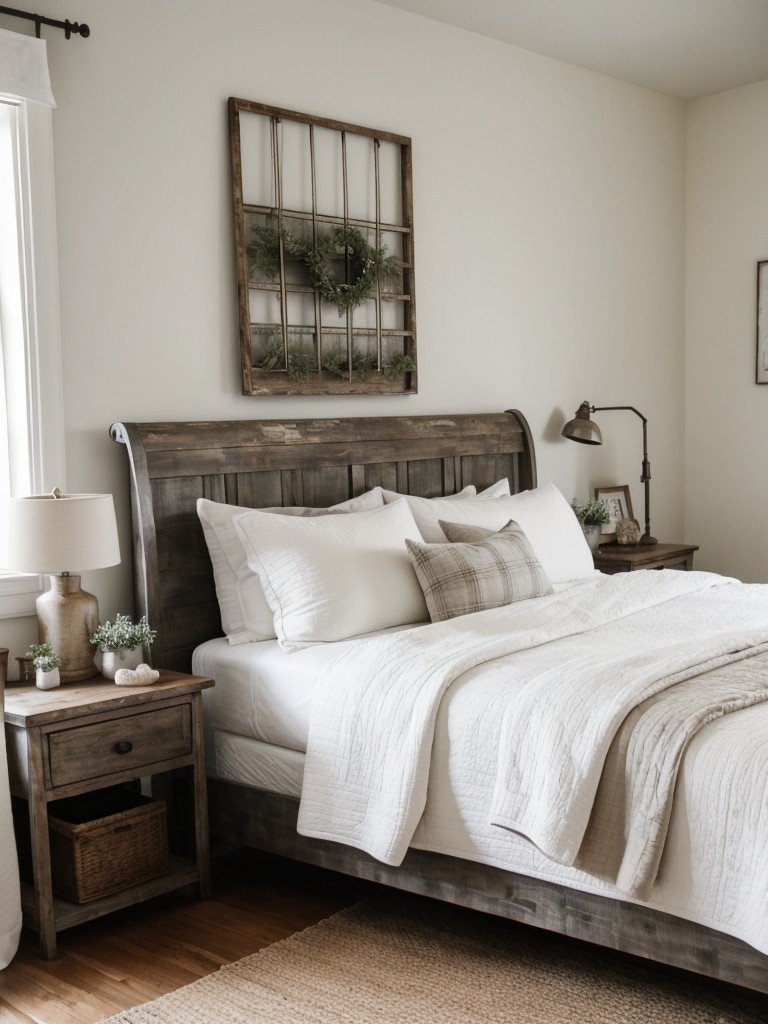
pixel 489 572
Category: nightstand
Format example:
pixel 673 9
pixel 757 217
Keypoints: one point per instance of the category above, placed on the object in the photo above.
pixel 615 558
pixel 85 737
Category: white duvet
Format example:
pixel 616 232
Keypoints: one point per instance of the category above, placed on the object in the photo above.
pixel 528 702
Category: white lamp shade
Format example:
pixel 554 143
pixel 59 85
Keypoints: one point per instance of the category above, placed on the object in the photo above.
pixel 71 533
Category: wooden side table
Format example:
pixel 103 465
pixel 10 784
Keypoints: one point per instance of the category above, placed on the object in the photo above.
pixel 82 738
pixel 615 558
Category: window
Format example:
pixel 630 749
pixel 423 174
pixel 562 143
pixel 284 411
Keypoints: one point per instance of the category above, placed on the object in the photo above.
pixel 31 406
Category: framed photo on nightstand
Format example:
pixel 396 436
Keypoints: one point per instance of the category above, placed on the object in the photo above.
pixel 619 506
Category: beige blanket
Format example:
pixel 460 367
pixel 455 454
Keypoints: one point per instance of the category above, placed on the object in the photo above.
pixel 625 837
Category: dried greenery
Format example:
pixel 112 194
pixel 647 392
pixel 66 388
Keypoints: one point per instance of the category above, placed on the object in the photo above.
pixel 263 249
pixel 591 513
pixel 362 262
pixel 44 657
pixel 301 358
pixel 123 633
pixel 363 367
pixel 301 362
pixel 399 364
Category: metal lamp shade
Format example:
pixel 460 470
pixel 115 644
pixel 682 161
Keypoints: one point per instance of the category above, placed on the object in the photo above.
pixel 581 428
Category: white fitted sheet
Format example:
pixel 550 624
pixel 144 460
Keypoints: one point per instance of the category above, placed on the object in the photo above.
pixel 261 692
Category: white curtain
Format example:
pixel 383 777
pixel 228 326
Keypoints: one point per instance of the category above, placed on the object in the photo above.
pixel 24 68
pixel 23 78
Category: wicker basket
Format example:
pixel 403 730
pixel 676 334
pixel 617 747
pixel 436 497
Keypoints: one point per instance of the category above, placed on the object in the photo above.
pixel 104 842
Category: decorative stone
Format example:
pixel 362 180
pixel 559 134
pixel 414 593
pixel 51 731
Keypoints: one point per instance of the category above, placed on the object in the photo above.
pixel 627 531
pixel 143 675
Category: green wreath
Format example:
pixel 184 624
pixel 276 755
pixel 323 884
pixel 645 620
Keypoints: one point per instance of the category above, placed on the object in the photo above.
pixel 362 262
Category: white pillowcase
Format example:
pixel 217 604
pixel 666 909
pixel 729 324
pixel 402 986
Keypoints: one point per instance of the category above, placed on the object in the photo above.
pixel 470 491
pixel 235 584
pixel 334 577
pixel 543 514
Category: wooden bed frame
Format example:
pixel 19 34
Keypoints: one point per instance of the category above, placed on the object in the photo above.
pixel 321 462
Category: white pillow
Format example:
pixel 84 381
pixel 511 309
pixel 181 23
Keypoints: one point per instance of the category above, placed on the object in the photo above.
pixel 470 491
pixel 234 581
pixel 543 514
pixel 334 577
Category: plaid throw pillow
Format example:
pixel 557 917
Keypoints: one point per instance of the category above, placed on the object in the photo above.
pixel 458 579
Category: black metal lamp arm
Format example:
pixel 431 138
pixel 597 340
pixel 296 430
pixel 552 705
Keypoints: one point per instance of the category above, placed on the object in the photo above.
pixel 646 475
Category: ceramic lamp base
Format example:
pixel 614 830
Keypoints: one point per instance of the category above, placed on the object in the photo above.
pixel 66 615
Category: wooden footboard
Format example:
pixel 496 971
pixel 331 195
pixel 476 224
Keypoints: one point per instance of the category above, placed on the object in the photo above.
pixel 267 821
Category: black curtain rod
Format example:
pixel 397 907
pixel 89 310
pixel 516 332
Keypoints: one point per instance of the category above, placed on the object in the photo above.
pixel 68 26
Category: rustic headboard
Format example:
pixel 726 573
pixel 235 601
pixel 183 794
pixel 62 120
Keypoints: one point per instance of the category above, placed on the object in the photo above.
pixel 262 463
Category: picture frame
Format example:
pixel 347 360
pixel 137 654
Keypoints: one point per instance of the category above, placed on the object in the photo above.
pixel 619 503
pixel 761 365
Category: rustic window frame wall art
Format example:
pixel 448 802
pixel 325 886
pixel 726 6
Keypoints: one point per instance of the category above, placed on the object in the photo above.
pixel 324 243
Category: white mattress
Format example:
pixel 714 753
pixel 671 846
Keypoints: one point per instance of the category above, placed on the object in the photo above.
pixel 261 692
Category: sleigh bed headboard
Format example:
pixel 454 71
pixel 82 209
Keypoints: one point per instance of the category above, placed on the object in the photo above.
pixel 262 463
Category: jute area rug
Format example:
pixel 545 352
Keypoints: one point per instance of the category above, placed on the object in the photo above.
pixel 402 960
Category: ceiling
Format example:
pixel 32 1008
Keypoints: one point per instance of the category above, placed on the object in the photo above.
pixel 685 48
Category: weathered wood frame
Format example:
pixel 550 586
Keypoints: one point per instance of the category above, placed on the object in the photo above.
pixel 318 462
pixel 259 381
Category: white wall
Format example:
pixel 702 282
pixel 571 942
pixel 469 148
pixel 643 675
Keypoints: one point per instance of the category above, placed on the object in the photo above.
pixel 726 412
pixel 549 243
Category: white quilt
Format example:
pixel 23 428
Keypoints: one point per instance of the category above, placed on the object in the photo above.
pixel 565 672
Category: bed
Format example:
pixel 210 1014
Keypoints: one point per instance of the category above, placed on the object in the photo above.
pixel 320 463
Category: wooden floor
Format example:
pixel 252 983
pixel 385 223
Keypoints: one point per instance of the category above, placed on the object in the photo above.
pixel 140 953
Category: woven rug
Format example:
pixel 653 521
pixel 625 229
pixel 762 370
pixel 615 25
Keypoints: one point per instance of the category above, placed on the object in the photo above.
pixel 403 960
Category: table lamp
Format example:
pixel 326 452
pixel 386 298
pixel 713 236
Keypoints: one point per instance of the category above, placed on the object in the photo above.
pixel 583 429
pixel 55 533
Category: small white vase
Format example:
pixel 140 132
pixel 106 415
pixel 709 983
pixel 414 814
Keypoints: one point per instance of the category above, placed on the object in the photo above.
pixel 111 661
pixel 592 533
pixel 47 680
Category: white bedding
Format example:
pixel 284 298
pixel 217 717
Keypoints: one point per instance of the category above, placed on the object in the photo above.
pixel 261 692
pixel 713 867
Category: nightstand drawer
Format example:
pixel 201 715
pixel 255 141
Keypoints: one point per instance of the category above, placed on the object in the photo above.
pixel 121 744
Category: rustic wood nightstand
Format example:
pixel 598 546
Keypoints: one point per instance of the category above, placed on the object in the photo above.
pixel 615 558
pixel 85 737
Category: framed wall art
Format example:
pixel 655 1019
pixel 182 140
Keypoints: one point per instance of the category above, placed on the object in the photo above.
pixel 619 505
pixel 324 245
pixel 761 374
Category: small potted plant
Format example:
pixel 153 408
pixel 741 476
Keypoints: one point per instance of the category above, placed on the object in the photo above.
pixel 122 643
pixel 592 515
pixel 46 662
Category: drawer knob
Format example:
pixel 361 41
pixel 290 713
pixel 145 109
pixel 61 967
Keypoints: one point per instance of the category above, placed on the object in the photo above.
pixel 124 747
